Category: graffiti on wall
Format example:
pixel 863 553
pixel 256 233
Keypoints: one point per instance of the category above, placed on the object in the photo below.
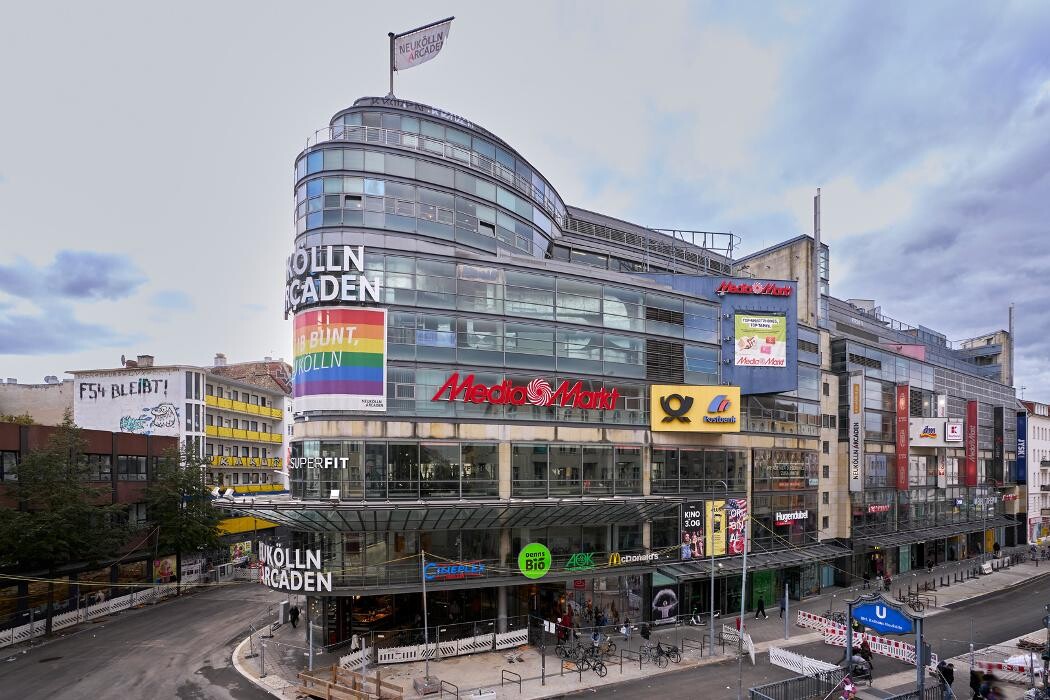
pixel 163 415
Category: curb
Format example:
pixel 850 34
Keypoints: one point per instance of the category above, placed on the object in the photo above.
pixel 1030 579
pixel 247 674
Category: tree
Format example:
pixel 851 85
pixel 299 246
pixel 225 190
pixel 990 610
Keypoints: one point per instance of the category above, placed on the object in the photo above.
pixel 178 506
pixel 22 419
pixel 61 518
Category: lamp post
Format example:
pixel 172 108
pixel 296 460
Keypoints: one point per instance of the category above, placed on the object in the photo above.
pixel 711 612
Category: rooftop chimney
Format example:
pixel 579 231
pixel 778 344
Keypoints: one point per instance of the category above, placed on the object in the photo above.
pixel 145 360
pixel 51 379
pixel 220 359
pixel 130 364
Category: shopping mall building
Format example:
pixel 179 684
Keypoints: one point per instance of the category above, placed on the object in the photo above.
pixel 480 369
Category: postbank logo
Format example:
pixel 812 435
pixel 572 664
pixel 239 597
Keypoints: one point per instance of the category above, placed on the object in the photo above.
pixel 694 409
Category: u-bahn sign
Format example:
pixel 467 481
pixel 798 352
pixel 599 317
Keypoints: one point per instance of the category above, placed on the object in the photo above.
pixel 882 617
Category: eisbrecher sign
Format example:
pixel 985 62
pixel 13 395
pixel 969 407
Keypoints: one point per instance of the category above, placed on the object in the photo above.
pixel 766 288
pixel 538 392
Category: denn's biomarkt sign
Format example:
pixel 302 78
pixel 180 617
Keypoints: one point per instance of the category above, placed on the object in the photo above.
pixel 538 392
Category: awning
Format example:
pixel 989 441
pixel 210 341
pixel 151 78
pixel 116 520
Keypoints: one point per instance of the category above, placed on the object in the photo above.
pixel 903 537
pixel 371 516
pixel 757 561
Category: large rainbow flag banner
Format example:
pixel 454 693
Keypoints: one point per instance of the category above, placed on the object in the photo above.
pixel 340 359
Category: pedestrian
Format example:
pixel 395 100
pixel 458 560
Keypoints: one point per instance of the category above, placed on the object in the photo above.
pixel 761 610
pixel 929 565
pixel 625 629
pixel 887 581
pixel 995 549
pixel 783 605
pixel 975 685
pixel 865 653
pixel 293 615
pixel 867 580
pixel 949 679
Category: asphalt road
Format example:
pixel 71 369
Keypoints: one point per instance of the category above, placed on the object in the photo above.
pixel 179 648
pixel 995 618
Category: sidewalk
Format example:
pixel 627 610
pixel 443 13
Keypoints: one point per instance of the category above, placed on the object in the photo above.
pixel 285 654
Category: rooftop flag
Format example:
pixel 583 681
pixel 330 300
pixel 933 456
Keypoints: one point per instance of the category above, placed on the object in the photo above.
pixel 416 46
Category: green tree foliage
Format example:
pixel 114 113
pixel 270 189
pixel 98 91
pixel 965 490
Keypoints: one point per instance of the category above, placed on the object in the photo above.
pixel 23 419
pixel 178 506
pixel 62 519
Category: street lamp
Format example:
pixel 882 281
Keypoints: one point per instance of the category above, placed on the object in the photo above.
pixel 711 612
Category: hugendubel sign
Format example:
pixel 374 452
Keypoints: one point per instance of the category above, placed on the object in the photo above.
pixel 537 392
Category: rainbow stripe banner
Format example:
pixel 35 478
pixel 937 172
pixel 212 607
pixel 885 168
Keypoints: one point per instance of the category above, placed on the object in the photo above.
pixel 340 359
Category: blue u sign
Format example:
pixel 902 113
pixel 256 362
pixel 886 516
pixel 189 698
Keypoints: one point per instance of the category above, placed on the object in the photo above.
pixel 882 618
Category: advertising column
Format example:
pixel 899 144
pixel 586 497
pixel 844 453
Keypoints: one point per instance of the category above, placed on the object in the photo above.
pixel 998 470
pixel 856 431
pixel 903 434
pixel 970 461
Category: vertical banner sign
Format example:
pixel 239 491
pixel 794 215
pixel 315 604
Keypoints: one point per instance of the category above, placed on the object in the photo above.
pixel 340 359
pixel 970 431
pixel 736 530
pixel 856 431
pixel 1021 471
pixel 716 530
pixel 998 447
pixel 903 433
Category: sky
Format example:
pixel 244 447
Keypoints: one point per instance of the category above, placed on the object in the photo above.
pixel 146 150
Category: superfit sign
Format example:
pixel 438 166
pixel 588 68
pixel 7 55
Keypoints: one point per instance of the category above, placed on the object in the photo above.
pixel 537 392
pixel 766 288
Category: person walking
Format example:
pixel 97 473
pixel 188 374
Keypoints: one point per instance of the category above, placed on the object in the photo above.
pixel 975 685
pixel 761 610
pixel 293 615
pixel 783 605
pixel 865 653
pixel 949 679
pixel 625 629
pixel 867 580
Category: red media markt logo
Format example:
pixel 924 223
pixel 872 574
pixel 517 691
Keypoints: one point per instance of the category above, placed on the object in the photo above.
pixel 537 392
pixel 765 288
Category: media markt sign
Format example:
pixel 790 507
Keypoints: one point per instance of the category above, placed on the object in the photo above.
pixel 581 561
pixel 534 561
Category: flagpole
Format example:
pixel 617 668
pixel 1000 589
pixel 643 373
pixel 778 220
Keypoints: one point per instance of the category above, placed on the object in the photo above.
pixel 391 35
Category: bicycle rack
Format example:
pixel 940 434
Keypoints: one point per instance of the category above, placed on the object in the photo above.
pixel 452 689
pixel 510 676
pixel 629 656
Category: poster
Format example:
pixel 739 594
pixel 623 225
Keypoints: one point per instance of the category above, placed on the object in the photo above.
pixel 240 552
pixel 969 475
pixel 736 529
pixel 693 533
pixel 716 531
pixel 339 356
pixel 903 435
pixel 761 340
pixel 164 570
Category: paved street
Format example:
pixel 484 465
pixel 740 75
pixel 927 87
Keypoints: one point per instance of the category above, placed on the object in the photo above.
pixel 176 649
pixel 996 618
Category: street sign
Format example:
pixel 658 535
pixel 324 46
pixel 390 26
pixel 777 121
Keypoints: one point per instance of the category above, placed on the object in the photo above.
pixel 883 618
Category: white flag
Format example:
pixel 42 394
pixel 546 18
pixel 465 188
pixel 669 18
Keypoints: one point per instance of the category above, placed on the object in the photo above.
pixel 420 45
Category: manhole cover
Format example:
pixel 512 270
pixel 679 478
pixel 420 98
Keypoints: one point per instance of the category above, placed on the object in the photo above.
pixel 48 658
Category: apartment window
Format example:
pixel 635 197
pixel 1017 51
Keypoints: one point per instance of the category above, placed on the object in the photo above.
pixel 236 479
pixel 136 514
pixel 235 395
pixel 236 424
pixel 131 468
pixel 824 522
pixel 218 392
pixel 244 451
pixel 100 467
pixel 209 389
pixel 264 478
pixel 827 471
pixel 262 401
pixel 245 478
pixel 255 477
pixel 255 452
pixel 827 389
pixel 825 446
pixel 825 498
pixel 253 425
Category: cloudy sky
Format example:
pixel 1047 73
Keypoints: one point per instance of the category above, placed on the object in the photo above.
pixel 146 150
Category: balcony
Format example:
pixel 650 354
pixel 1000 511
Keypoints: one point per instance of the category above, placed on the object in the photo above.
pixel 242 407
pixel 239 434
pixel 259 462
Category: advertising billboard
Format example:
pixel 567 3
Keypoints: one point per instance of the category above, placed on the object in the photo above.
pixel 339 356
pixel 1021 472
pixel 716 531
pixel 694 534
pixel 903 433
pixel 998 463
pixel 856 431
pixel 969 475
pixel 761 340
pixel 736 528
pixel 694 409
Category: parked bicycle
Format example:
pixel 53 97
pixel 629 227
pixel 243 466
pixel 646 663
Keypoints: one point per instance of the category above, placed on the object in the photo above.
pixel 660 654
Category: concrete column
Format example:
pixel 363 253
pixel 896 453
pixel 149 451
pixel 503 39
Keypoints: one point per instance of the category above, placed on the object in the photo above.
pixel 647 534
pixel 501 609
pixel 504 548
pixel 647 470
pixel 504 470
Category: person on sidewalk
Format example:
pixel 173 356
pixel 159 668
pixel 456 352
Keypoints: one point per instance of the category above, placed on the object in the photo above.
pixel 865 653
pixel 761 610
pixel 975 685
pixel 783 605
pixel 293 615
pixel 625 629
pixel 867 580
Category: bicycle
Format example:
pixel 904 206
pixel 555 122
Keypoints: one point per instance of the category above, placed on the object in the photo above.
pixel 591 660
pixel 670 651
pixel 568 650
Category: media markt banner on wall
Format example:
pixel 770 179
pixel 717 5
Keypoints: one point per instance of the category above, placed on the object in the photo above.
pixel 339 359
pixel 856 431
pixel 761 340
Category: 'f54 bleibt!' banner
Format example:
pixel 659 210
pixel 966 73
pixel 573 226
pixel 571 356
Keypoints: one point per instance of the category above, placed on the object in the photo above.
pixel 340 360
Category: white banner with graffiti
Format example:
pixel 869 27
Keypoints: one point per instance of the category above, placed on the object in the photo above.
pixel 144 401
